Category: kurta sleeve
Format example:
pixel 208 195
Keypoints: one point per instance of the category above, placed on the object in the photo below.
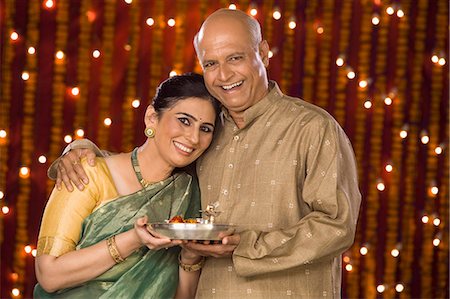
pixel 65 211
pixel 329 190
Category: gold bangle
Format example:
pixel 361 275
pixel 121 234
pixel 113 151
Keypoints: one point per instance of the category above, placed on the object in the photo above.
pixel 191 268
pixel 113 251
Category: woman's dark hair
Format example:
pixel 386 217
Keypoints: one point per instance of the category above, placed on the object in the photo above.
pixel 180 87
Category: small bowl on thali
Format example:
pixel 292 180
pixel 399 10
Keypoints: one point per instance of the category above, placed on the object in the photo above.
pixel 192 231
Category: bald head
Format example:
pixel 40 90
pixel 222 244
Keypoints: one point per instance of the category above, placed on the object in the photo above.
pixel 222 18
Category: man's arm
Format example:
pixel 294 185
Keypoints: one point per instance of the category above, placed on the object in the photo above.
pixel 67 169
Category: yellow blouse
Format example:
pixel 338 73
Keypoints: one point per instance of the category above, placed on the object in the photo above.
pixel 65 211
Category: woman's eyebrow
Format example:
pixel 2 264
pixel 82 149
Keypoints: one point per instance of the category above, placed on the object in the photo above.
pixel 194 118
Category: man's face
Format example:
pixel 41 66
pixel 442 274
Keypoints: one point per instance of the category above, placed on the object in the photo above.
pixel 233 68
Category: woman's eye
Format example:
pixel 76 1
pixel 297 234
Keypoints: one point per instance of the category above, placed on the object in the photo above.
pixel 206 129
pixel 184 121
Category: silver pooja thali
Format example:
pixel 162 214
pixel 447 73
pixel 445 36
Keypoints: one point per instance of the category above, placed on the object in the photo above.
pixel 205 229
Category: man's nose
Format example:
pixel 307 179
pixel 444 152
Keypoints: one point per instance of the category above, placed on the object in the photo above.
pixel 225 72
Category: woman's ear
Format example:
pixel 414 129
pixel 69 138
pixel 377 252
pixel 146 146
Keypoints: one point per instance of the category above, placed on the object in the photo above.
pixel 151 117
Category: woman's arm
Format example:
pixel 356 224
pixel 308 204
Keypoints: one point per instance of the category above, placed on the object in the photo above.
pixel 76 267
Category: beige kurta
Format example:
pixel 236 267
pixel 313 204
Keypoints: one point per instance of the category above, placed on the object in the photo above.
pixel 288 181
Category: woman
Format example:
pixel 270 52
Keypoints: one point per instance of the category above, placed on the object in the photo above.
pixel 95 243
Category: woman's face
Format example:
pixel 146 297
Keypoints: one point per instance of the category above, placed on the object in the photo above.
pixel 185 131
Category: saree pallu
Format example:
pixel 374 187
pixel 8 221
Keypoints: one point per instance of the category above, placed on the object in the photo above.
pixel 145 273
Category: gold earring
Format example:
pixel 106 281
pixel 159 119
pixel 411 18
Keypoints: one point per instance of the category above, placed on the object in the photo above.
pixel 149 132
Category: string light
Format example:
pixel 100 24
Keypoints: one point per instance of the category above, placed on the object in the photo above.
pixel 14 36
pixel 5 210
pixel 2 194
pixel 24 172
pixel 435 58
pixel 3 134
pixel 367 104
pixel 270 54
pixel 389 167
pixel 434 190
pixel 292 23
pixel 79 133
pixel 135 103
pixel 381 288
pixel 171 22
pixel 340 61
pixel 42 159
pixel 400 13
pixel 34 252
pixel 425 219
pixel 363 83
pixel 395 252
pixel 150 22
pixel 96 53
pixel 351 74
pixel 128 1
pixel 346 259
pixel 67 139
pixel 436 242
pixel 107 121
pixel 172 73
pixel 436 221
pixel 399 287
pixel 127 47
pixel 253 10
pixel 27 249
pixel 375 19
pixel 276 14
pixel 15 292
pixel 438 150
pixel 49 4
pixel 348 267
pixel 25 76
pixel 60 55
pixel 390 10
pixel 75 91
pixel 232 6
pixel 380 185
pixel 319 30
pixel 31 50
pixel 388 100
pixel 442 61
pixel 364 250
pixel 424 138
pixel 404 131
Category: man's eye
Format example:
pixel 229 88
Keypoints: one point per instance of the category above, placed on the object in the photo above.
pixel 235 58
pixel 208 64
pixel 184 121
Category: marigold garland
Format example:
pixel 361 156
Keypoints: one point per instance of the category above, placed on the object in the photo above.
pixel 309 61
pixel 5 103
pixel 156 50
pixel 83 66
pixel 106 72
pixel 27 148
pixel 288 48
pixel 128 112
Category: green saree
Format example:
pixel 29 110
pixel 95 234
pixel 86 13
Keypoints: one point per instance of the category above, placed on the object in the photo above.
pixel 145 273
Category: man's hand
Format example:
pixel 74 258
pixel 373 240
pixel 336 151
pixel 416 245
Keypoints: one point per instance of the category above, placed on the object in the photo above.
pixel 229 244
pixel 70 171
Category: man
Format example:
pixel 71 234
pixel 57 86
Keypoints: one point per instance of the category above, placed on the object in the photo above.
pixel 282 171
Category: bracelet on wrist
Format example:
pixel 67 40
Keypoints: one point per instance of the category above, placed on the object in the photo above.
pixel 113 251
pixel 193 267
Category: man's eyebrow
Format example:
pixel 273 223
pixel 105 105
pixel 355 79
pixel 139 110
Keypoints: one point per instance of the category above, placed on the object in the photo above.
pixel 194 118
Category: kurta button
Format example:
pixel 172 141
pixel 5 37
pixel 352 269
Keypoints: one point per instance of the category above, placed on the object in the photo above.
pixel 236 137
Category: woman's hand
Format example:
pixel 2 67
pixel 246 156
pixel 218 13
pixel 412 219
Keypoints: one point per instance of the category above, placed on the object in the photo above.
pixel 69 169
pixel 150 238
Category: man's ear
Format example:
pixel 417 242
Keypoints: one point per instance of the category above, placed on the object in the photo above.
pixel 264 52
pixel 151 117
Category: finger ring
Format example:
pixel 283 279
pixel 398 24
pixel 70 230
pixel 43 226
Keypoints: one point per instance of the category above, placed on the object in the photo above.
pixel 75 162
